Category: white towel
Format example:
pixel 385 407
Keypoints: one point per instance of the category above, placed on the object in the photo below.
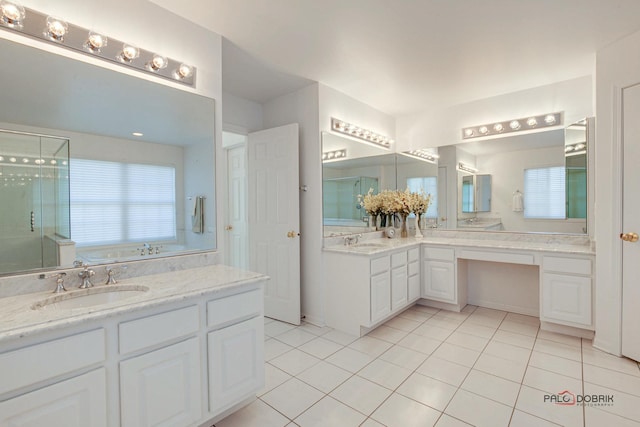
pixel 193 203
pixel 518 204
pixel 197 219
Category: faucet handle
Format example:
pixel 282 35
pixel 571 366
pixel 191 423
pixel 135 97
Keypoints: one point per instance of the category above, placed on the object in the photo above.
pixel 59 282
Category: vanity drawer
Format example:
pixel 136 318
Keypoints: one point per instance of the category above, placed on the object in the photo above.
pixel 379 265
pixel 141 333
pixel 30 365
pixel 414 268
pixel 442 254
pixel 228 310
pixel 398 260
pixel 414 254
pixel 567 265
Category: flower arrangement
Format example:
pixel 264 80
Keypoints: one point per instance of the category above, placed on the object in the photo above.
pixel 389 202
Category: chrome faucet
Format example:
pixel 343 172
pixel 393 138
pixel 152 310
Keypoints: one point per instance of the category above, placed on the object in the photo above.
pixel 85 275
pixel 111 280
pixel 351 240
pixel 60 283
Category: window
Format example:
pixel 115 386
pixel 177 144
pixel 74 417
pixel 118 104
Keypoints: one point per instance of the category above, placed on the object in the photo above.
pixel 115 203
pixel 428 184
pixel 544 193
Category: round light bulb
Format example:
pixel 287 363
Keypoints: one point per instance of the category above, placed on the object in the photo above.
pixel 568 148
pixel 129 52
pixel 25 160
pixel 498 127
pixel 549 119
pixel 158 62
pixel 54 162
pixel 56 28
pixel 12 13
pixel 532 122
pixel 579 146
pixel 1 158
pixel 12 159
pixel 514 125
pixel 483 130
pixel 96 41
pixel 468 132
pixel 184 71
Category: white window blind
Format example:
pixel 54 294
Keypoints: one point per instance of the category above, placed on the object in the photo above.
pixel 544 193
pixel 114 203
pixel 428 184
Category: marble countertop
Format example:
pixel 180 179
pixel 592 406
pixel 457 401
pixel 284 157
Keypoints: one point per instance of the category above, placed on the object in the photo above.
pixel 19 318
pixel 381 245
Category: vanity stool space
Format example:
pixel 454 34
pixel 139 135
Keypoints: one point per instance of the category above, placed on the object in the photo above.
pixel 187 360
pixel 368 284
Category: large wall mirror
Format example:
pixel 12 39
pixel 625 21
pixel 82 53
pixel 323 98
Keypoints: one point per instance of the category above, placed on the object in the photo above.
pixel 73 175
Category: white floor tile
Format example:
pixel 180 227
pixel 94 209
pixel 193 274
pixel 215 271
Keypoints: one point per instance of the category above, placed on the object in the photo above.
pixel 448 421
pixel 503 368
pixel 425 309
pixel 561 338
pixel 273 378
pixel 508 351
pixel 556 364
pixel 624 405
pixel 292 398
pixel 339 337
pixel 371 346
pixel 443 370
pixel 477 330
pixel 614 380
pixel 522 419
pixel 315 330
pixel 445 323
pixel 387 333
pixel 467 341
pixel 349 359
pixel 256 414
pixel 295 337
pixel 519 327
pixel 532 402
pixel 403 324
pixel 371 423
pixel 594 417
pixel 428 391
pixel 385 374
pixel 399 411
pixel 558 349
pixel 489 312
pixel 320 347
pixel 418 343
pixel 294 361
pixel 330 412
pixel 432 331
pixel 491 387
pixel 521 318
pixel 276 328
pixel 550 381
pixel 453 315
pixel 418 316
pixel 478 410
pixel 404 357
pixel 524 341
pixel 361 394
pixel 484 320
pixel 460 355
pixel 593 356
pixel 274 348
pixel 324 376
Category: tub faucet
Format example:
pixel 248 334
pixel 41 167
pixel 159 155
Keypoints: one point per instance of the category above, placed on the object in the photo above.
pixel 85 275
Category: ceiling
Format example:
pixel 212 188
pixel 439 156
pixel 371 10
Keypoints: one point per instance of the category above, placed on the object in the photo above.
pixel 407 56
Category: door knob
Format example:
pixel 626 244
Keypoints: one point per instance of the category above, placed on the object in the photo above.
pixel 292 234
pixel 629 237
pixel 229 227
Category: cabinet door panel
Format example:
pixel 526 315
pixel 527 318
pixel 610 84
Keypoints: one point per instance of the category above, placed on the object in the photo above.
pixel 77 402
pixel 566 298
pixel 380 296
pixel 398 287
pixel 236 363
pixel 439 281
pixel 414 288
pixel 162 388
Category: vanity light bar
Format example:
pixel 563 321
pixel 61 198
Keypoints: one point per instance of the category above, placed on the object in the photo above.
pixel 54 30
pixel 334 155
pixel 423 155
pixel 466 168
pixel 361 133
pixel 575 149
pixel 510 126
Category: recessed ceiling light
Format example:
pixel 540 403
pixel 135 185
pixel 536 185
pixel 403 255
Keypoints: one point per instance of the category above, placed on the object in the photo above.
pixel 137 134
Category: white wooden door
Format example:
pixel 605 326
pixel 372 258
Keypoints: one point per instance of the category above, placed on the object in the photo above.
pixel 274 219
pixel 163 387
pixel 237 227
pixel 236 363
pixel 631 223
pixel 77 402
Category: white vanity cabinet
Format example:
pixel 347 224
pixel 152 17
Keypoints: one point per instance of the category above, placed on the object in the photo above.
pixel 366 290
pixel 439 274
pixel 566 291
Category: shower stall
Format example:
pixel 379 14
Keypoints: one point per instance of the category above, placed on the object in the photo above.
pixel 34 200
pixel 340 204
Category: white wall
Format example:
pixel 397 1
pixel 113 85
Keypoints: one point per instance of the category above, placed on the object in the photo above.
pixel 241 115
pixel 618 66
pixel 302 107
pixel 435 126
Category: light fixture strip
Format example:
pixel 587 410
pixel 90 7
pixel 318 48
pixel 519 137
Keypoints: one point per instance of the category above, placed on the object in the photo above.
pixel 466 168
pixel 334 155
pixel 423 155
pixel 76 38
pixel 511 126
pixel 360 133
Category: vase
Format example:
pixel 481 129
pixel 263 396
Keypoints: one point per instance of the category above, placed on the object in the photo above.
pixel 383 221
pixel 373 221
pixel 403 226
pixel 418 231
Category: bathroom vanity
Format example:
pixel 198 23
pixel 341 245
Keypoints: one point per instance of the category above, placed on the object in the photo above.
pixel 184 349
pixel 550 277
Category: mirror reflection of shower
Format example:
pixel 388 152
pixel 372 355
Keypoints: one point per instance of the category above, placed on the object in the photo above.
pixel 34 200
pixel 340 205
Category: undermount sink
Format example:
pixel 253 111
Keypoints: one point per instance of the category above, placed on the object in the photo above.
pixel 84 298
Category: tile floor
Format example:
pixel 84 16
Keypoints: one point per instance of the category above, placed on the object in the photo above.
pixel 428 367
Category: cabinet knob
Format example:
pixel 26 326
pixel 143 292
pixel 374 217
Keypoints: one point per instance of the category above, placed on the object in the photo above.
pixel 228 227
pixel 629 237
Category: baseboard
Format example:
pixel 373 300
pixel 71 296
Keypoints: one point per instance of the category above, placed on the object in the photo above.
pixel 441 305
pixel 567 330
